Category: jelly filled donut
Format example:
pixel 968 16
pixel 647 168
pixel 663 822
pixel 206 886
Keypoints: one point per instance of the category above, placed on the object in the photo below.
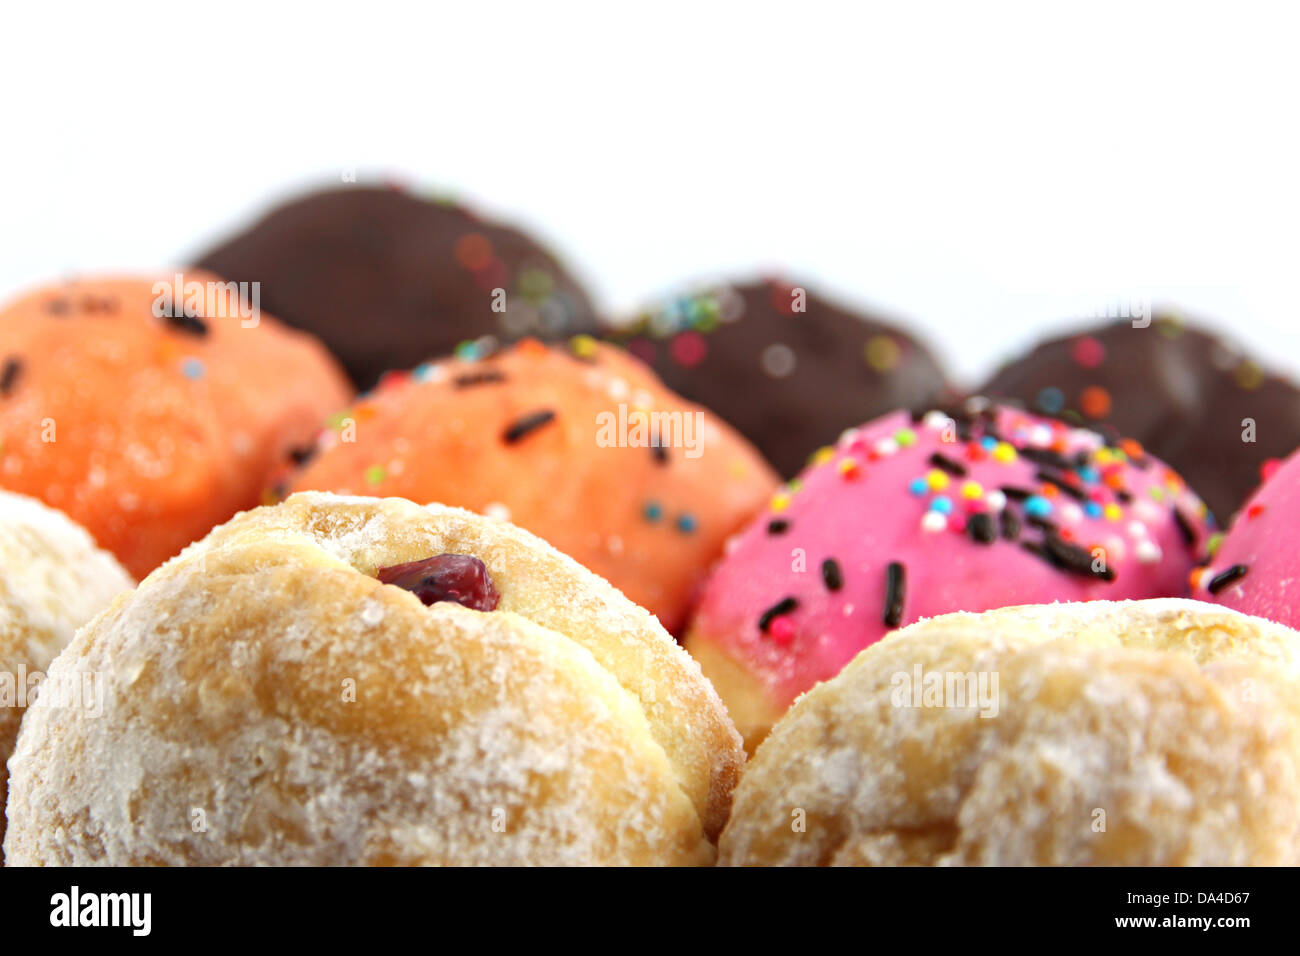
pixel 1136 733
pixel 580 445
pixel 905 519
pixel 1255 567
pixel 1187 395
pixel 53 579
pixel 386 278
pixel 788 369
pixel 357 681
pixel 151 411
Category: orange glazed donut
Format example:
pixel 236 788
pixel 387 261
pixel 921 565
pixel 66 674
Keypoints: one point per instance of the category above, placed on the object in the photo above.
pixel 582 446
pixel 149 417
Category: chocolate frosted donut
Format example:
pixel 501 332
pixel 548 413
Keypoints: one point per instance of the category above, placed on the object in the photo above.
pixel 386 278
pixel 788 369
pixel 1185 394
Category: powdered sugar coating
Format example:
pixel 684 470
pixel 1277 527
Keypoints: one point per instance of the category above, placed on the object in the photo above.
pixel 53 579
pixel 1160 732
pixel 565 727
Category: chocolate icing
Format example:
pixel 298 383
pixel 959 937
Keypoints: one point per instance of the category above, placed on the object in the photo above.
pixel 1179 390
pixel 790 381
pixel 387 279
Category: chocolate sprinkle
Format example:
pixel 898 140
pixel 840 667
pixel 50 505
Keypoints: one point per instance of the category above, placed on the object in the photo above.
pixel 1064 483
pixel 1185 527
pixel 832 575
pixel 944 463
pixel 527 424
pixel 658 451
pixel 1016 494
pixel 1067 556
pixel 9 374
pixel 189 324
pixel 1045 456
pixel 1010 524
pixel 1226 577
pixel 778 526
pixel 783 606
pixel 981 528
pixel 895 593
pixel 485 377
pixel 303 454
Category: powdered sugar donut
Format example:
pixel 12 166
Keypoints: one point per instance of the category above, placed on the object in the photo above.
pixel 52 580
pixel 1135 733
pixel 271 700
pixel 907 519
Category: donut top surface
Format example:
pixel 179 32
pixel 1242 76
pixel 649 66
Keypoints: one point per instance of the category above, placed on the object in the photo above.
pixel 908 518
pixel 53 579
pixel 563 441
pixel 1255 566
pixel 148 428
pixel 788 369
pixel 1188 395
pixel 387 278
pixel 995 739
pixel 320 715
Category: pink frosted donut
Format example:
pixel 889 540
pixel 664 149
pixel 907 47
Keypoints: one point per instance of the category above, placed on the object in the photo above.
pixel 1256 566
pixel 906 519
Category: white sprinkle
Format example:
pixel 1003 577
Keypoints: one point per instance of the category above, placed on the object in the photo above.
pixel 1148 552
pixel 933 521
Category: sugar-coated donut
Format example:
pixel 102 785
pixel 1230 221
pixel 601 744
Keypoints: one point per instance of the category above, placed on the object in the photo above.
pixel 271 701
pixel 1159 733
pixel 53 579
pixel 905 519
pixel 579 444
pixel 388 278
pixel 1255 566
pixel 151 409
pixel 787 368
pixel 1188 395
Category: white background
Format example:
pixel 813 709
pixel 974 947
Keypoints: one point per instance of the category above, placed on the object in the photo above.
pixel 984 172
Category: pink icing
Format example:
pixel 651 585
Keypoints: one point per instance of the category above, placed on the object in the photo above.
pixel 861 505
pixel 1262 541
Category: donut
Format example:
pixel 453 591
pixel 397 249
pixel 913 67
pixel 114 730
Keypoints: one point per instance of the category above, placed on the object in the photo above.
pixel 1254 567
pixel 149 411
pixel 788 369
pixel 1145 733
pixel 907 518
pixel 272 700
pixel 53 579
pixel 386 278
pixel 579 444
pixel 1196 401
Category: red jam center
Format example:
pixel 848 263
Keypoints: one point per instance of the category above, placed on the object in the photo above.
pixel 445 577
